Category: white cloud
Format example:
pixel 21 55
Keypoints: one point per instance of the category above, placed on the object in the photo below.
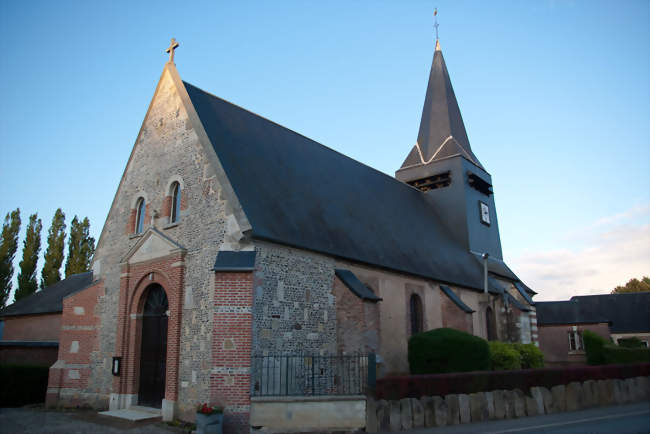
pixel 605 254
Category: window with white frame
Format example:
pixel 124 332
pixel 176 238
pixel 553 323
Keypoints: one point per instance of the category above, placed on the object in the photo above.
pixel 575 340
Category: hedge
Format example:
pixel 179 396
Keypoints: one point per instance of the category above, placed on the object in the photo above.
pixel 22 384
pixel 632 342
pixel 531 356
pixel 416 386
pixel 447 350
pixel 600 351
pixel 594 347
pixel 613 354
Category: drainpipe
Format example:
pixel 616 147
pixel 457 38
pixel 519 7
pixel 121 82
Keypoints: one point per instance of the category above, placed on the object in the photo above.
pixel 485 272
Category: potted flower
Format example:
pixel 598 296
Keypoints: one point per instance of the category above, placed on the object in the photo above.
pixel 209 419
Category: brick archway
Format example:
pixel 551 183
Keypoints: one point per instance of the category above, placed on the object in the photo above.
pixel 168 272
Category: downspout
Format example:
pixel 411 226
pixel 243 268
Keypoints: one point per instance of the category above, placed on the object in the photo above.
pixel 485 272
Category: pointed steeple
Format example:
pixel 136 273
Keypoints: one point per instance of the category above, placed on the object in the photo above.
pixel 442 131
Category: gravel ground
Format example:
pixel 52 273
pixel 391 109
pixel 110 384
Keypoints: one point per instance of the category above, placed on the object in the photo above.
pixel 39 420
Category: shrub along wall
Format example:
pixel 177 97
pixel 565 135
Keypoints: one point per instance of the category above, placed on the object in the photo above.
pixel 415 386
pixel 600 351
pixel 22 384
pixel 447 350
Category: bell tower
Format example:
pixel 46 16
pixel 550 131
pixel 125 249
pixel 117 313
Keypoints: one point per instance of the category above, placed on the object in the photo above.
pixel 442 166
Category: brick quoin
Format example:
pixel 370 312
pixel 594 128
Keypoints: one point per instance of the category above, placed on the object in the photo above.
pixel 130 226
pixel 79 324
pixel 231 348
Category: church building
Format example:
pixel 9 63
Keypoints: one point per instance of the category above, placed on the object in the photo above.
pixel 231 238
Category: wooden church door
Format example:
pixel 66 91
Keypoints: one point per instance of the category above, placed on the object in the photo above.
pixel 153 353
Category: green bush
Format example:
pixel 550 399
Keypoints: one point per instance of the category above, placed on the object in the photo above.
pixel 22 384
pixel 632 342
pixel 594 347
pixel 601 352
pixel 613 354
pixel 447 350
pixel 504 356
pixel 531 357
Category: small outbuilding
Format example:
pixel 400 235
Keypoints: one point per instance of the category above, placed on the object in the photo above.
pixel 30 328
pixel 612 316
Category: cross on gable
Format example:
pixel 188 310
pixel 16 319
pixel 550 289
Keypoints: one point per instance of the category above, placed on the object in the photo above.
pixel 172 46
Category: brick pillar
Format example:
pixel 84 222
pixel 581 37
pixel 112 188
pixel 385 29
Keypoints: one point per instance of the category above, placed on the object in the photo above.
pixel 54 381
pixel 231 348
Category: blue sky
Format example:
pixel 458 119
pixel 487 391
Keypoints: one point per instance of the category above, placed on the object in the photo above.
pixel 555 96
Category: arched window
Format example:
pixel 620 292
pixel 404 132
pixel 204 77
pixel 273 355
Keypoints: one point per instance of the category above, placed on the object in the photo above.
pixel 139 215
pixel 489 324
pixel 416 314
pixel 175 213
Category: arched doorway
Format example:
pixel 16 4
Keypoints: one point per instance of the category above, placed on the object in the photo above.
pixel 153 349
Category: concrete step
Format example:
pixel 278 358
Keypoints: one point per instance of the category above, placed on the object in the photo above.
pixel 134 413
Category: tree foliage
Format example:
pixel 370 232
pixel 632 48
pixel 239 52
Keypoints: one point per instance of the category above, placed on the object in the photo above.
pixel 634 285
pixel 27 280
pixel 54 253
pixel 8 247
pixel 81 247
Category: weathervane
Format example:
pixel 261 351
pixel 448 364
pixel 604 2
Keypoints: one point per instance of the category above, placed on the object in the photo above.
pixel 172 46
pixel 435 17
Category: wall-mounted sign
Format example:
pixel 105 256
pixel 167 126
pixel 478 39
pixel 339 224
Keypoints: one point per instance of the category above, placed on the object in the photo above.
pixel 117 361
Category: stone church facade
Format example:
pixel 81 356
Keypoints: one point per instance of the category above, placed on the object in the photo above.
pixel 196 271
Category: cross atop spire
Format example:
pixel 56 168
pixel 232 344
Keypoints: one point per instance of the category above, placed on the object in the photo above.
pixel 172 46
pixel 435 25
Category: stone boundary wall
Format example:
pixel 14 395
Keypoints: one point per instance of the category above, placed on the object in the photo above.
pixel 434 411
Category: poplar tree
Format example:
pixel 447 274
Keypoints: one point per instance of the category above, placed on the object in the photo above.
pixel 8 247
pixel 81 247
pixel 27 280
pixel 54 253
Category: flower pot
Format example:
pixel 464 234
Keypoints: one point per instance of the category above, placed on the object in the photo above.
pixel 209 423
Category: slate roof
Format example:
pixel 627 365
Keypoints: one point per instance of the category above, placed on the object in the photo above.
pixel 50 299
pixel 297 192
pixel 352 282
pixel 456 299
pixel 627 313
pixel 516 303
pixel 442 132
pixel 235 261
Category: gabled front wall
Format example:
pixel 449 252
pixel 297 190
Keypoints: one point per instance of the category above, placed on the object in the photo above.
pixel 167 149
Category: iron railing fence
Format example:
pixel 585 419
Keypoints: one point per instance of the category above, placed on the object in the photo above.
pixel 309 375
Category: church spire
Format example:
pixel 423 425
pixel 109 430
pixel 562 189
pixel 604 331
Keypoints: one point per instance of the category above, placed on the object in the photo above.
pixel 442 131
